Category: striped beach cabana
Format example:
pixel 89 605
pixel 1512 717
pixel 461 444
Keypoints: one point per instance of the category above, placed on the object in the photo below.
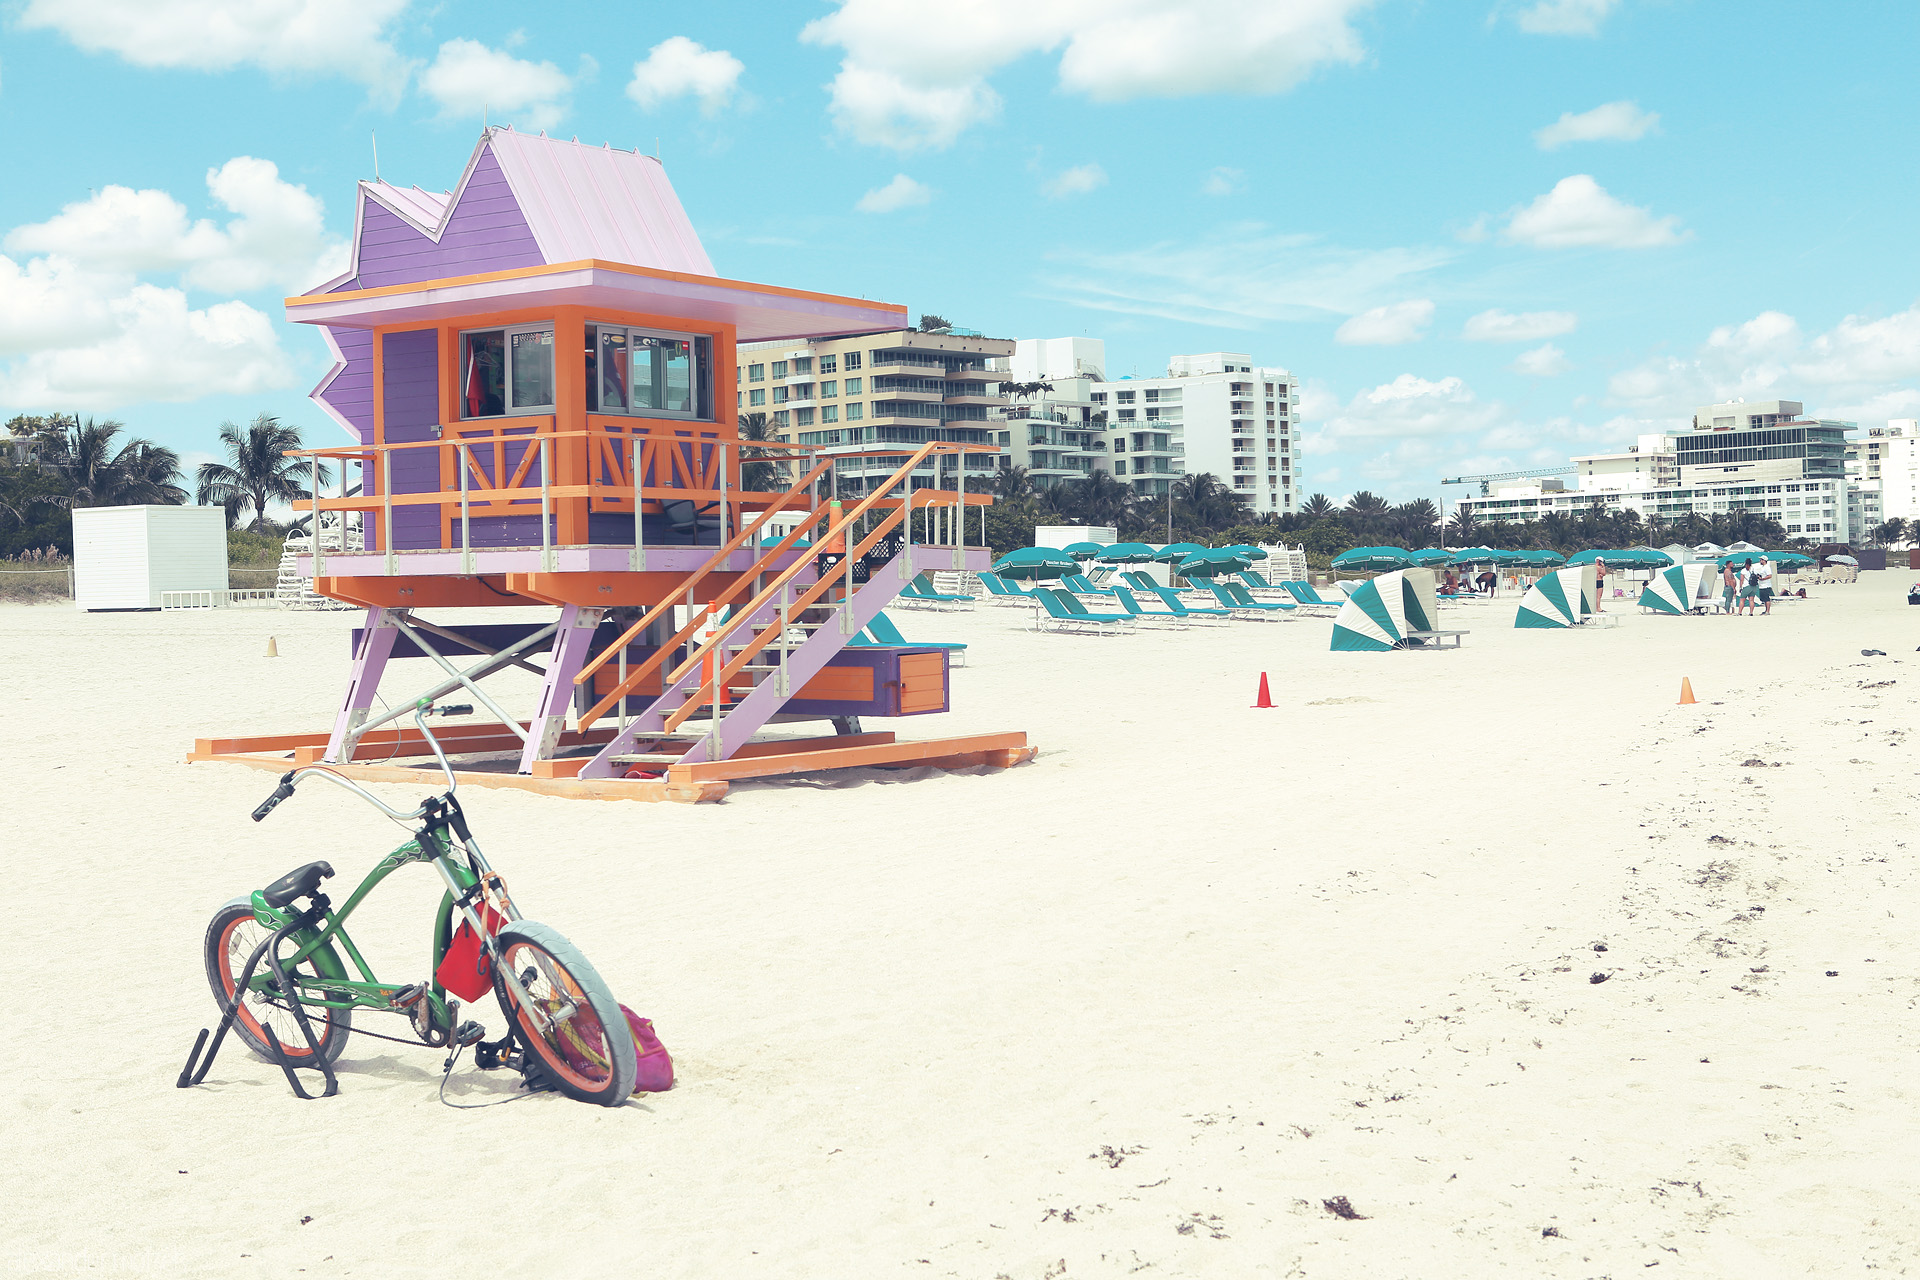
pixel 1676 589
pixel 1558 599
pixel 1381 613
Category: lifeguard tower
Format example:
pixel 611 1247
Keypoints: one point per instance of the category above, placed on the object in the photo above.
pixel 537 371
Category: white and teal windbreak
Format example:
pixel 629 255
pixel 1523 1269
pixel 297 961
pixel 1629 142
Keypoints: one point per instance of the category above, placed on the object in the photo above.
pixel 1558 599
pixel 1678 588
pixel 1380 613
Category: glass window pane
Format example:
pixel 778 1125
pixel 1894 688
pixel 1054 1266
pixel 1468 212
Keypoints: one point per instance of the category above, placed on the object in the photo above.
pixel 613 370
pixel 483 374
pixel 532 369
pixel 645 385
pixel 677 359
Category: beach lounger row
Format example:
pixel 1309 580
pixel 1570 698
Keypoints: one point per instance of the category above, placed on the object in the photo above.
pixel 883 634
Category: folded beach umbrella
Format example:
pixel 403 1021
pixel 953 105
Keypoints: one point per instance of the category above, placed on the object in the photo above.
pixel 1363 559
pixel 1035 562
pixel 1431 557
pixel 1083 550
pixel 1175 552
pixel 1126 553
pixel 1558 599
pixel 1842 560
pixel 1208 564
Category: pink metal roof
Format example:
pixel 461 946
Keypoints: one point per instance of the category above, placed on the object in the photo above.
pixel 595 202
pixel 424 209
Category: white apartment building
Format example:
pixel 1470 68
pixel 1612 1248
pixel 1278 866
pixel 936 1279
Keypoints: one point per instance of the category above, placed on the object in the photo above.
pixel 1762 456
pixel 1052 433
pixel 1883 473
pixel 1215 412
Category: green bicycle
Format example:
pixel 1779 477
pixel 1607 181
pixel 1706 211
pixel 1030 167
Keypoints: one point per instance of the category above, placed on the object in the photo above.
pixel 565 1029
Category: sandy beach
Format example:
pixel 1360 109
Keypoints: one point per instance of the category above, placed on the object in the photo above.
pixel 1543 974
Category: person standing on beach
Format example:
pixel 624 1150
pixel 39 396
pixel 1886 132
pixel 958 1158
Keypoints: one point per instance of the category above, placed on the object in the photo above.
pixel 1749 589
pixel 1729 584
pixel 1763 579
pixel 1600 585
pixel 1486 580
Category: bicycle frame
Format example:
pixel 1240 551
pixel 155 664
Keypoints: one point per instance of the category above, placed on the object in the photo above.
pixel 336 990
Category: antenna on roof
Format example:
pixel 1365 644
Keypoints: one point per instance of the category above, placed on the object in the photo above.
pixel 485 117
pixel 656 146
pixel 376 154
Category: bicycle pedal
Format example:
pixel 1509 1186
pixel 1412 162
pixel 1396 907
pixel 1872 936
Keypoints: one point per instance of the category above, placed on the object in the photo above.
pixel 407 997
pixel 469 1033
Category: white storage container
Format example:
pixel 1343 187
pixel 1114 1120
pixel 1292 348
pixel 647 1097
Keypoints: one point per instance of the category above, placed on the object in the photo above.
pixel 124 557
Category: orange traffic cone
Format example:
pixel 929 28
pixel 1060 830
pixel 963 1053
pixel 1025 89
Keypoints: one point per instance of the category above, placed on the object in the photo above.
pixel 1686 692
pixel 1265 699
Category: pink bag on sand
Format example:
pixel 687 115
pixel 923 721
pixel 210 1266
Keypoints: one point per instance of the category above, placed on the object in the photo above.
pixel 655 1073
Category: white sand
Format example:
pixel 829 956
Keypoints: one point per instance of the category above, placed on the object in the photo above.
pixel 1264 958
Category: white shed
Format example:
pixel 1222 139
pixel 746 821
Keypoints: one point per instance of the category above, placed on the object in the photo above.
pixel 124 557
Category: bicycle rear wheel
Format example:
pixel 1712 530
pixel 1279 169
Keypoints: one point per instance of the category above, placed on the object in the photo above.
pixel 231 937
pixel 575 1027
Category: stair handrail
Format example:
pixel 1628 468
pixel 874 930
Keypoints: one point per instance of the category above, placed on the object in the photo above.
pixel 805 600
pixel 733 544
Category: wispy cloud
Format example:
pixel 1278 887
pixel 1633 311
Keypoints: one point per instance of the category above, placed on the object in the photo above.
pixel 1393 325
pixel 1223 181
pixel 1240 278
pixel 1580 213
pixel 1610 122
pixel 1076 181
pixel 902 193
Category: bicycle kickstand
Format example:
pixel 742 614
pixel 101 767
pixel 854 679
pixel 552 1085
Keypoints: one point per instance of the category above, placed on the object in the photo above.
pixel 292 996
pixel 189 1076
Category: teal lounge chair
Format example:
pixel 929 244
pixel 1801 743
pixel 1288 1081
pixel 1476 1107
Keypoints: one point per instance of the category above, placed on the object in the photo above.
pixel 1180 609
pixel 920 593
pixel 1258 585
pixel 1236 597
pixel 1078 584
pixel 1305 594
pixel 1127 601
pixel 882 634
pixel 1065 613
pixel 1000 591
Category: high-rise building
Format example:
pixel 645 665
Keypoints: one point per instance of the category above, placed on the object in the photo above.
pixel 872 393
pixel 1889 459
pixel 1214 412
pixel 1759 456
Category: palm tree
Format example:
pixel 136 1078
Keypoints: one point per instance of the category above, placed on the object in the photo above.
pixel 1204 502
pixel 1318 507
pixel 1415 521
pixel 934 324
pixel 97 474
pixel 1893 531
pixel 1013 485
pixel 1097 498
pixel 1460 526
pixel 758 470
pixel 1366 514
pixel 260 472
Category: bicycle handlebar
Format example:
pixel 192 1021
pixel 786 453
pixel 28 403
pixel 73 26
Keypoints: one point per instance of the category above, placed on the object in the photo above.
pixel 289 781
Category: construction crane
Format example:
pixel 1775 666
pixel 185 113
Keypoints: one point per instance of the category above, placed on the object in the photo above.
pixel 1529 474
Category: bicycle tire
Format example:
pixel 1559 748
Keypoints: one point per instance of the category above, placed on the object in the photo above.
pixel 229 943
pixel 589 1061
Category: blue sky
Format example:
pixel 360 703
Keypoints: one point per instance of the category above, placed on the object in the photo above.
pixel 1485 235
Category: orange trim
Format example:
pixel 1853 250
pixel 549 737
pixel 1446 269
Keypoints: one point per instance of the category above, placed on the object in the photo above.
pixel 595 264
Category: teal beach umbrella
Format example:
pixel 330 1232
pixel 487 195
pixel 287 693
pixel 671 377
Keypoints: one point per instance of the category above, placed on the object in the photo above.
pixel 1368 559
pixel 1083 550
pixel 1208 564
pixel 1126 553
pixel 1035 562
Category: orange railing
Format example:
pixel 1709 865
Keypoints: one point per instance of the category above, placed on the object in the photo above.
pixel 712 682
pixel 505 468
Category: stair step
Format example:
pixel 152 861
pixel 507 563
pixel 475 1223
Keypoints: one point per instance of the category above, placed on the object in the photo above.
pixel 651 757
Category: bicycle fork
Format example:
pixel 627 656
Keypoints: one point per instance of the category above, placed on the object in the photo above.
pixel 270 949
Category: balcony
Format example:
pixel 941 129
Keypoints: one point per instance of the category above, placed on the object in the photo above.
pixel 975 396
pixel 918 395
pixel 954 374
pixel 895 360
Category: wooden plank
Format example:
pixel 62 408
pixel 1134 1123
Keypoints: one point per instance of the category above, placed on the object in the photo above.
pixel 847 757
pixel 654 790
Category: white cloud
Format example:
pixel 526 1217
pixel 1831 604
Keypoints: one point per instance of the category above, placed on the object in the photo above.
pixel 915 75
pixel 1240 278
pixel 1621 121
pixel 1223 181
pixel 1388 326
pixel 48 302
pixel 1076 181
pixel 1411 406
pixel 468 79
pixel 1528 326
pixel 679 68
pixel 902 193
pixel 1566 17
pixel 1546 361
pixel 278 236
pixel 1863 368
pixel 147 345
pixel 1579 213
pixel 286 37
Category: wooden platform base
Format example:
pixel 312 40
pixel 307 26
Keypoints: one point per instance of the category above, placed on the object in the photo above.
pixel 685 784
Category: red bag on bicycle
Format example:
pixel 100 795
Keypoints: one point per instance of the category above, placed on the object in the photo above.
pixel 466 970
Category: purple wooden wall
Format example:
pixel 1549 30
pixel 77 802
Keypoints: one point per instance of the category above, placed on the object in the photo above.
pixel 486 232
pixel 411 409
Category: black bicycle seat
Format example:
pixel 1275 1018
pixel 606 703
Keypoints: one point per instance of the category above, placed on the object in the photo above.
pixel 295 884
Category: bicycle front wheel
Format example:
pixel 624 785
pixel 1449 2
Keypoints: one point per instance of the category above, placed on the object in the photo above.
pixel 231 937
pixel 574 1025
